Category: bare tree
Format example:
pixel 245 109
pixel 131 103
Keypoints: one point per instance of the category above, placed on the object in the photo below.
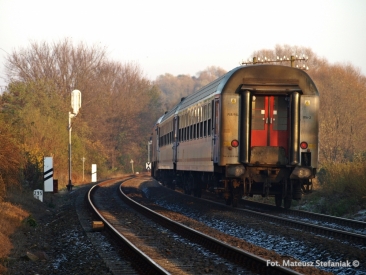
pixel 115 97
pixel 342 118
pixel 68 66
pixel 175 87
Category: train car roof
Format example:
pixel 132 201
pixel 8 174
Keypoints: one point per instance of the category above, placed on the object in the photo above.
pixel 172 111
pixel 252 77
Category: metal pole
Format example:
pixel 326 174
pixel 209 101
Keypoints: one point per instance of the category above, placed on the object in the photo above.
pixel 148 150
pixel 83 159
pixel 69 186
pixel 292 61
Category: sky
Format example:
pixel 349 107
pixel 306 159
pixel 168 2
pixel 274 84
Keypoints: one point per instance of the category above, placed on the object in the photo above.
pixel 186 37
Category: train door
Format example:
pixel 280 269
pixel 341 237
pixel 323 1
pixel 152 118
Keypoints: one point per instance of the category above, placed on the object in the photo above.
pixel 270 122
pixel 175 139
pixel 216 129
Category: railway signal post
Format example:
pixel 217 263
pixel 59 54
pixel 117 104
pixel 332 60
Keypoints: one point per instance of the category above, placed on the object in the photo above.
pixel 133 171
pixel 75 104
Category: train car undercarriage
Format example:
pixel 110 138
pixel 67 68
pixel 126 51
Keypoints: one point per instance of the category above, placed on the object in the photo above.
pixel 265 181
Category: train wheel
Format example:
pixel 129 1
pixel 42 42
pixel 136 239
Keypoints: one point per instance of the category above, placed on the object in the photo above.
pixel 278 200
pixel 287 203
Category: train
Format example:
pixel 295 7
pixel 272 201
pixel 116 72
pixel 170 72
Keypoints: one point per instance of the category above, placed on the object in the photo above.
pixel 252 131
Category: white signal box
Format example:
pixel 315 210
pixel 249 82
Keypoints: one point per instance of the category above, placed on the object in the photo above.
pixel 75 101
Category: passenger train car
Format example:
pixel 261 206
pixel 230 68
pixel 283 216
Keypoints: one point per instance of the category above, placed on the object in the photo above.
pixel 253 131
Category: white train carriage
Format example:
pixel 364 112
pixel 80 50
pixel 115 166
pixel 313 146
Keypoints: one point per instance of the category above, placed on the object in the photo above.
pixel 252 131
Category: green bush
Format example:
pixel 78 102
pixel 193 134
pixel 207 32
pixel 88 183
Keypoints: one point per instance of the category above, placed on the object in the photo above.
pixel 343 187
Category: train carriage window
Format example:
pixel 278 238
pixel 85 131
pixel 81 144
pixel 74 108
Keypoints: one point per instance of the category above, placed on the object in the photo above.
pixel 187 131
pixel 205 128
pixel 217 106
pixel 201 129
pixel 200 132
pixel 280 113
pixel 209 121
pixel 158 134
pixel 258 112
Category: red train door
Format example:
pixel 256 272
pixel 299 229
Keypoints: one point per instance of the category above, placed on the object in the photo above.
pixel 270 121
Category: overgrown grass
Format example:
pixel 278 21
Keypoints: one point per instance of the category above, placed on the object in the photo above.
pixel 11 217
pixel 342 188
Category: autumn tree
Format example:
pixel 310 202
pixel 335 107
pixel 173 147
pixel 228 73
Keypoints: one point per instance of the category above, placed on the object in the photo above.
pixel 123 116
pixel 10 158
pixel 68 66
pixel 342 117
pixel 115 104
pixel 176 87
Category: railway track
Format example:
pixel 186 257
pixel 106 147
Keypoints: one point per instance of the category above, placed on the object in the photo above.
pixel 354 226
pixel 134 261
pixel 334 227
pixel 260 230
pixel 158 243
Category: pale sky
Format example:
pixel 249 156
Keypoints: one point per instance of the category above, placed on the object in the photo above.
pixel 185 37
